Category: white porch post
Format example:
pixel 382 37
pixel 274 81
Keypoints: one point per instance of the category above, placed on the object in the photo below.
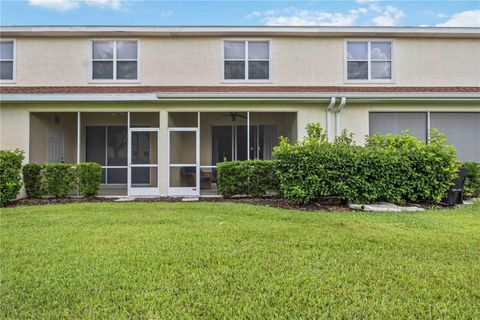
pixel 129 154
pixel 197 157
pixel 79 132
pixel 248 135
pixel 428 127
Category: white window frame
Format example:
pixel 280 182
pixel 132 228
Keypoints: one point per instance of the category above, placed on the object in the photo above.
pixel 369 61
pixel 246 60
pixel 14 60
pixel 114 60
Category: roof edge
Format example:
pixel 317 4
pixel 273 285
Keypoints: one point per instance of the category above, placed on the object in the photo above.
pixel 79 30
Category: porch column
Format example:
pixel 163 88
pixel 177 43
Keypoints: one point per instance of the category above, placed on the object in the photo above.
pixel 79 132
pixel 129 155
pixel 163 157
pixel 248 135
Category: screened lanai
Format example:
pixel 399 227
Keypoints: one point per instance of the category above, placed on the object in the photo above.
pixel 141 155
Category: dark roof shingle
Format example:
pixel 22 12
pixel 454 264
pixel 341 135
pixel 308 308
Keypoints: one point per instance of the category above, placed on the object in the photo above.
pixel 231 89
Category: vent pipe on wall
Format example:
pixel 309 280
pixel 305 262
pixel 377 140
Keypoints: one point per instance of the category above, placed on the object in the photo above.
pixel 329 118
pixel 343 102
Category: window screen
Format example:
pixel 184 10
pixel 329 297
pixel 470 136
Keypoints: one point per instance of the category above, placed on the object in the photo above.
pixel 396 122
pixel 462 130
pixel 95 144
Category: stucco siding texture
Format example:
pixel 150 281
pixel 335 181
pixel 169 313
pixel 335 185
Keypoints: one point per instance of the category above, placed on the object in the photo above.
pixel 295 61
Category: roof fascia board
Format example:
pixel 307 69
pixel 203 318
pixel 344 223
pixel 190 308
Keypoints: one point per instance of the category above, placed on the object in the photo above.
pixel 237 30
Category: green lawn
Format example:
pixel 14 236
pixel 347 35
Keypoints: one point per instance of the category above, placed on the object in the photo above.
pixel 225 260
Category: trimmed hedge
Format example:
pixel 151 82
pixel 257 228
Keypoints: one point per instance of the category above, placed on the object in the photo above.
pixel 393 168
pixel 10 174
pixel 472 183
pixel 250 177
pixel 88 178
pixel 32 177
pixel 60 178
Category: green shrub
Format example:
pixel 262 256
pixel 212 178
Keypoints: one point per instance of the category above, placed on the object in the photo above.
pixel 472 183
pixel 60 178
pixel 10 174
pixel 88 178
pixel 251 177
pixel 429 169
pixel 32 178
pixel 394 168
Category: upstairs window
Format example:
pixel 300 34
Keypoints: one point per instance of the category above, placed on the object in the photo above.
pixel 246 60
pixel 7 60
pixel 369 61
pixel 115 60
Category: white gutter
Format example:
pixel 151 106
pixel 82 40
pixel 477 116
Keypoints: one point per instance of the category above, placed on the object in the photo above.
pixel 329 118
pixel 339 109
pixel 297 97
pixel 356 96
pixel 43 97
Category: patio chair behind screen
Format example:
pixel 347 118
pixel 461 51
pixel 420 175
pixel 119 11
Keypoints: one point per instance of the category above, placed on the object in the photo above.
pixel 455 194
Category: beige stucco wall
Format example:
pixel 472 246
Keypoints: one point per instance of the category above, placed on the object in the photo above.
pixel 295 61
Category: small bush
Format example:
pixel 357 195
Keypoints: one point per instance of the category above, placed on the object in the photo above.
pixel 60 178
pixel 393 168
pixel 472 183
pixel 88 178
pixel 10 174
pixel 32 178
pixel 251 177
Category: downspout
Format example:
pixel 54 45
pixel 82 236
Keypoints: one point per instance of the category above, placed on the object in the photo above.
pixel 340 107
pixel 329 118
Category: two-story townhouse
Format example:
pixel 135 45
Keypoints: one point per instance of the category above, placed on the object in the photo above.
pixel 159 107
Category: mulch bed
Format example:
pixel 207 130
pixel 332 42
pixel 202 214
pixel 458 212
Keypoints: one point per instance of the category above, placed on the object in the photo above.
pixel 326 204
pixel 45 201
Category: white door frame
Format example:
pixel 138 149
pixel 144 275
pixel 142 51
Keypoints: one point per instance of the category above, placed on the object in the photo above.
pixel 143 191
pixel 185 191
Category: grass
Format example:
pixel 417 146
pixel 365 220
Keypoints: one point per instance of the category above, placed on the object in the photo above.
pixel 224 260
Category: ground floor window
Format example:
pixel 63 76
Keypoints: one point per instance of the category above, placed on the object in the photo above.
pixel 462 129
